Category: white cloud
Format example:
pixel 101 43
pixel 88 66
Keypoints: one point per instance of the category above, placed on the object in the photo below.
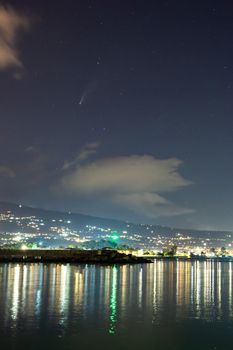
pixel 137 183
pixel 150 204
pixel 11 24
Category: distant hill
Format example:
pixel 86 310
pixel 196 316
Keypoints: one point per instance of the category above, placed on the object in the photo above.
pixel 76 221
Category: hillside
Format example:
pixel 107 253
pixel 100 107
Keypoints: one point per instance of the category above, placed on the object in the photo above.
pixel 74 227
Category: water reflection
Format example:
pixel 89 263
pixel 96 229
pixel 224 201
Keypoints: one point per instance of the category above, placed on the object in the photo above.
pixel 15 296
pixel 37 295
pixel 113 302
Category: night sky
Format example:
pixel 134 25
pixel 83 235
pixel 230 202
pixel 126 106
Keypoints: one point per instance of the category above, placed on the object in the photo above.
pixel 120 109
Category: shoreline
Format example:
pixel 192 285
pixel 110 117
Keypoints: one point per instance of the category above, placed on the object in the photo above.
pixel 196 258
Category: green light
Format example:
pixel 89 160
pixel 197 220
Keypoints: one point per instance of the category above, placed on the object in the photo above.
pixel 114 236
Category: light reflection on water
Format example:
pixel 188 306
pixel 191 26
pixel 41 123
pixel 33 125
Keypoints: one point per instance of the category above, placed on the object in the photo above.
pixel 81 299
pixel 113 302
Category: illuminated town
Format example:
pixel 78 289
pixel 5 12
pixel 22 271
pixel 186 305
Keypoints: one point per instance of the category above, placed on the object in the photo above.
pixel 65 230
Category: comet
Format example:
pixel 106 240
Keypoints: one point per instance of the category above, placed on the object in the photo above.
pixel 82 99
pixel 90 88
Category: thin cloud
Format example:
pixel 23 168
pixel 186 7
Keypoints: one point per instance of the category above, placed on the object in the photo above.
pixel 139 183
pixel 6 172
pixel 12 23
pixel 88 150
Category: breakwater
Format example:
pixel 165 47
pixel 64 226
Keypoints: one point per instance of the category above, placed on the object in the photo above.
pixel 69 256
